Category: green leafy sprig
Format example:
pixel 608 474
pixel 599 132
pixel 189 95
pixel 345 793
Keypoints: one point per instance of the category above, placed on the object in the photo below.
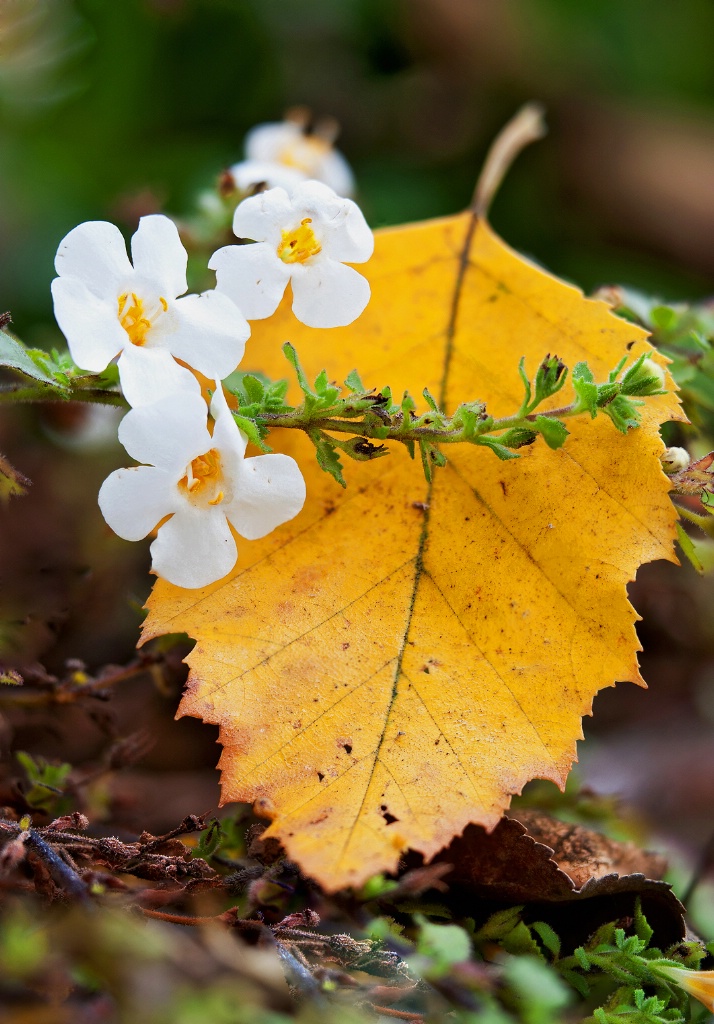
pixel 374 417
pixel 639 992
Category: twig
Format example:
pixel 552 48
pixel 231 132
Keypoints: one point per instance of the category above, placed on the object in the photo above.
pixel 527 126
pixel 65 877
pixel 416 1018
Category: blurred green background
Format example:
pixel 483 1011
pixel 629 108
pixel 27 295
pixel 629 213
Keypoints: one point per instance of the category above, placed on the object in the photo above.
pixel 112 108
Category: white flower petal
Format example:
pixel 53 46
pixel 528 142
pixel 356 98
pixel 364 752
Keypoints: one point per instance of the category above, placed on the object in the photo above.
pixel 350 238
pixel 95 252
pixel 337 173
pixel 159 255
pixel 249 173
pixel 230 441
pixel 90 324
pixel 134 500
pixel 169 433
pixel 267 141
pixel 148 374
pixel 264 217
pixel 210 333
pixel 253 276
pixel 269 492
pixel 338 223
pixel 194 548
pixel 329 294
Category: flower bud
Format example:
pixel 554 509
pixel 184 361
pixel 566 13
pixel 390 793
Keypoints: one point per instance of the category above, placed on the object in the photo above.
pixel 645 379
pixel 674 460
pixel 699 984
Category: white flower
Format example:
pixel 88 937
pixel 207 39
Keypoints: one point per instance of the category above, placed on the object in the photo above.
pixel 249 174
pixel 203 482
pixel 305 238
pixel 290 144
pixel 107 307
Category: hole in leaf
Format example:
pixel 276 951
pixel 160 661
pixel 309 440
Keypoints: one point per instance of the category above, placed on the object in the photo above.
pixel 389 818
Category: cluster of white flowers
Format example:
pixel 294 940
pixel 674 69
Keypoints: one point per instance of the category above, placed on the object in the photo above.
pixel 194 483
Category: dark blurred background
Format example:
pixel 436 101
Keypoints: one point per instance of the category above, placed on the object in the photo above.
pixel 109 107
pixel 113 108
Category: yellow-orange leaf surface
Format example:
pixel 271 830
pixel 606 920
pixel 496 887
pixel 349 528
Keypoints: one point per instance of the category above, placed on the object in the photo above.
pixel 400 659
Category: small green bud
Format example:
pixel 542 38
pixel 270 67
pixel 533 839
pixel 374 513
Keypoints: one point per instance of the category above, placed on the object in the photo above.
pixel 674 460
pixel 645 378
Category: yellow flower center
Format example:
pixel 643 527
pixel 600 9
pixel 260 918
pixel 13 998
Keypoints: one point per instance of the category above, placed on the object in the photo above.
pixel 299 244
pixel 136 320
pixel 203 479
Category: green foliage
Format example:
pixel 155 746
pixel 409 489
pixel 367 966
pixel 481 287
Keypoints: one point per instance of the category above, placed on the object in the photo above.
pixel 370 415
pixel 47 782
pixel 440 947
pixel 684 332
pixel 537 991
pixel 209 841
pixel 49 376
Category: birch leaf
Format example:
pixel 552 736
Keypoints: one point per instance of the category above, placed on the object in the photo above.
pixel 402 657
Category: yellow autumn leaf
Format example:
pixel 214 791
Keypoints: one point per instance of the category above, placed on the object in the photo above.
pixel 402 657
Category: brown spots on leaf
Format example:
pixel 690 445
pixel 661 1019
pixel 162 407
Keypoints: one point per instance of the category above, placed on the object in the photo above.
pixel 308 580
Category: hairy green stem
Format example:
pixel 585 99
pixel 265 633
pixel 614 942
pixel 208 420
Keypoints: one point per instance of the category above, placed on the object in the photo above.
pixel 389 430
pixel 42 393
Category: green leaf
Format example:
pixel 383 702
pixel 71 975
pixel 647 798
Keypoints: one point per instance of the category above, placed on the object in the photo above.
pixel 586 389
pixel 408 406
pixel 663 317
pixel 642 928
pixel 252 432
pixel 353 382
pixel 430 400
pixel 209 841
pixel 518 437
pixel 361 449
pixel 542 992
pixel 254 388
pixel 526 384
pixel 31 362
pixel 623 413
pixel 520 942
pixel 444 944
pixel 553 430
pixel 496 447
pixel 327 457
pixel 607 393
pixel 498 925
pixel 547 936
pixel 291 355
